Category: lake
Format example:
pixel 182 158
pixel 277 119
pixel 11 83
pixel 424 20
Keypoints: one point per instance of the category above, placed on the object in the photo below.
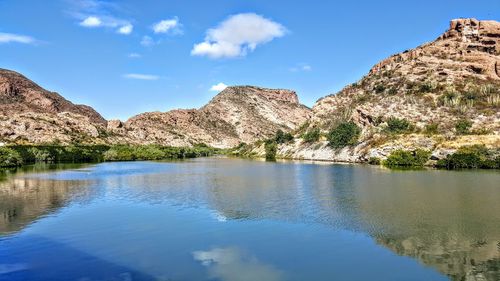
pixel 236 219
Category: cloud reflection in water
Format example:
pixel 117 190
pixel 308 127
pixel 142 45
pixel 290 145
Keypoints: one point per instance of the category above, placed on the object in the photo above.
pixel 230 264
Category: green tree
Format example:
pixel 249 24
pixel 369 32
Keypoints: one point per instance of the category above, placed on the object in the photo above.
pixel 271 149
pixel 344 134
pixel 9 158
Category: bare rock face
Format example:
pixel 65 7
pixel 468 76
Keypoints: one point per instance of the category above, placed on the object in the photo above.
pixel 237 114
pixel 456 77
pixel 28 113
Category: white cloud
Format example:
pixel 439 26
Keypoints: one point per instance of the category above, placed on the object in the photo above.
pixel 91 21
pixel 93 14
pixel 126 29
pixel 301 67
pixel 166 26
pixel 141 76
pixel 16 38
pixel 306 68
pixel 147 41
pixel 218 87
pixel 237 35
pixel 134 55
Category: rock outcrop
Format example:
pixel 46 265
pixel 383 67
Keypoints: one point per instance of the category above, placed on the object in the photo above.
pixel 432 87
pixel 238 114
pixel 29 113
pixel 456 77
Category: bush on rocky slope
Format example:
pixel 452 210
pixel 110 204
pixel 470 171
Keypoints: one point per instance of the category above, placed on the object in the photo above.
pixel 405 158
pixel 398 126
pixel 312 135
pixel 462 127
pixel 345 134
pixel 471 157
pixel 271 149
pixel 9 158
pixel 282 137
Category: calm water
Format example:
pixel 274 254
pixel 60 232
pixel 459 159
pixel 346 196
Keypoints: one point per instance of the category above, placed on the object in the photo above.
pixel 232 219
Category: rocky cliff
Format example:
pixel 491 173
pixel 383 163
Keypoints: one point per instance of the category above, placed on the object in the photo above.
pixel 455 78
pixel 237 114
pixel 29 113
pixel 430 89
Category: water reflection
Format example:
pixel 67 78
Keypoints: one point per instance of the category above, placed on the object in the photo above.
pixel 24 199
pixel 446 220
pixel 230 264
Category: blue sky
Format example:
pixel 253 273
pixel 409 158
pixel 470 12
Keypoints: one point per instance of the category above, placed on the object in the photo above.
pixel 127 57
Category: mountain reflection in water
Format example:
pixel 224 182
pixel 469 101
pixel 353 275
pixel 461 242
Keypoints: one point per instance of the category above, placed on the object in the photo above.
pixel 446 220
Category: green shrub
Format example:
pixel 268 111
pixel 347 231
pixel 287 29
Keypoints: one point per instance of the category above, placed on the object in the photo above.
pixel 398 126
pixel 311 135
pixel 392 91
pixel 431 129
pixel 374 161
pixel 425 88
pixel 344 134
pixel 60 154
pixel 9 158
pixel 282 137
pixel 98 153
pixel 471 157
pixel 405 158
pixel 379 88
pixel 463 126
pixel 271 149
pixel 155 152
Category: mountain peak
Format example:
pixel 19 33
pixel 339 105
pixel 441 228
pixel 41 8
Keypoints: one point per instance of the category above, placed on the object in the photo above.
pixel 282 95
pixel 469 30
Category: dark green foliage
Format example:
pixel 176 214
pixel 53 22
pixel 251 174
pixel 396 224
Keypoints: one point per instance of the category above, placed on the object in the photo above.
pixel 431 129
pixel 311 135
pixel 344 134
pixel 98 153
pixel 271 149
pixel 405 158
pixel 379 88
pixel 463 127
pixel 155 152
pixel 374 161
pixel 425 88
pixel 398 126
pixel 61 154
pixel 9 158
pixel 243 150
pixel 392 91
pixel 282 137
pixel 471 157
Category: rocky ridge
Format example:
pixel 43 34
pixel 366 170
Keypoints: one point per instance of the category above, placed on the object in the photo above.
pixel 456 77
pixel 31 114
pixel 237 114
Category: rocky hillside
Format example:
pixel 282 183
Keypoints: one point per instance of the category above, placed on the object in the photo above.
pixel 438 97
pixel 29 113
pixel 238 114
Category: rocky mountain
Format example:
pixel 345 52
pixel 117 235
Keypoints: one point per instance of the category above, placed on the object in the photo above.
pixel 440 96
pixel 434 91
pixel 29 113
pixel 237 114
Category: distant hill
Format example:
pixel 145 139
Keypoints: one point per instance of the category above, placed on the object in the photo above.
pixel 31 114
pixel 237 114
